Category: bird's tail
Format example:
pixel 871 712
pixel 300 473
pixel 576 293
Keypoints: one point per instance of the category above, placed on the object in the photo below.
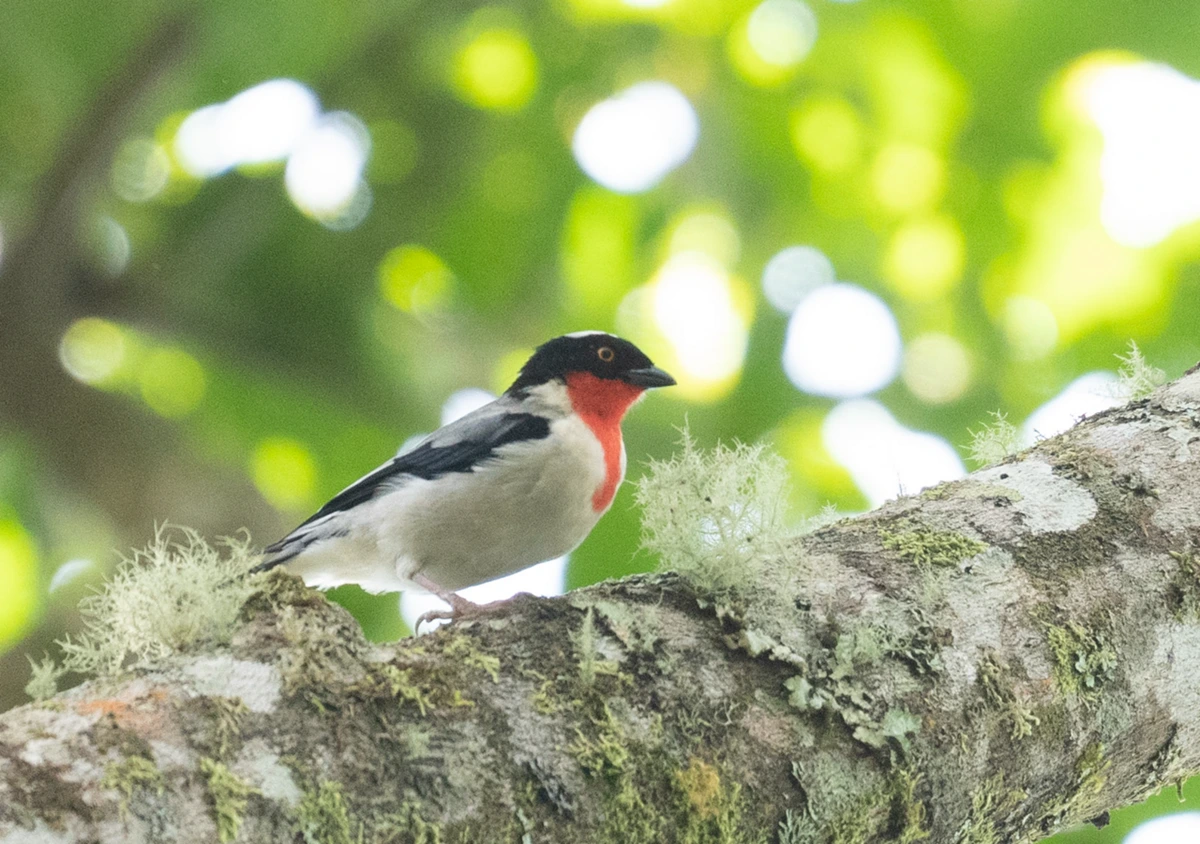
pixel 291 545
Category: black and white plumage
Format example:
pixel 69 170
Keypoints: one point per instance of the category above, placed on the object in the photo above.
pixel 518 481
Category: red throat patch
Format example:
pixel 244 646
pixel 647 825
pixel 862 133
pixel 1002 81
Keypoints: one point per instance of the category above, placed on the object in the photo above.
pixel 601 404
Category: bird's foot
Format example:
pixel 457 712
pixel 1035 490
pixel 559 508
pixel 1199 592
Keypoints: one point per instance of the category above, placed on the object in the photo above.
pixel 460 608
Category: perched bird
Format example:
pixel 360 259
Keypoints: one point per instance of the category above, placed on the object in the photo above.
pixel 521 480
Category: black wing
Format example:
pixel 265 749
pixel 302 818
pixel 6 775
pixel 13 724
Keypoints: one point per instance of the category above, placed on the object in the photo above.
pixel 456 448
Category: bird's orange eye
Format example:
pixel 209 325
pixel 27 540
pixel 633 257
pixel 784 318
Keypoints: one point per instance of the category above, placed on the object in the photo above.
pixel 605 354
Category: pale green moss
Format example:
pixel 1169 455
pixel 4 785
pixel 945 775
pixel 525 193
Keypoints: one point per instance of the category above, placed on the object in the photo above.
pixel 131 774
pixel 401 685
pixel 997 689
pixel 991 803
pixel 322 817
pixel 465 652
pixel 1092 770
pixel 407 827
pixel 603 753
pixel 925 547
pixel 1184 595
pixel 1083 659
pixel 229 794
pixel 909 815
pixel 1077 802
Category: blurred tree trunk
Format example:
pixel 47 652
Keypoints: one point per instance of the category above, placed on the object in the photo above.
pixel 991 660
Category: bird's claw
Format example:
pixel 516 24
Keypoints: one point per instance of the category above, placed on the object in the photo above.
pixel 460 609
pixel 434 615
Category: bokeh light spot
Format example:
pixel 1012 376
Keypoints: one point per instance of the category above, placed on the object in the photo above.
pixel 907 178
pixel 841 341
pixel 1177 828
pixel 885 458
pixel 172 382
pixel 284 472
pixel 782 32
pixel 1087 394
pixel 1030 328
pixel 92 350
pixel 496 69
pixel 793 273
pixel 18 581
pixel 324 172
pixel 1149 115
pixel 260 125
pixel 925 258
pixel 695 309
pixel 109 246
pixel 827 134
pixel 773 40
pixel 711 233
pixel 415 280
pixel 629 142
pixel 140 170
pixel 936 368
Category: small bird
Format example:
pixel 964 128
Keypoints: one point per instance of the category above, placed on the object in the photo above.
pixel 521 480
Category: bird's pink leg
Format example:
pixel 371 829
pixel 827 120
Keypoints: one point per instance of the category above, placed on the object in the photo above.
pixel 459 606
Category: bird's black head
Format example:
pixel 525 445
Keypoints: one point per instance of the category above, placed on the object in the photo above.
pixel 592 352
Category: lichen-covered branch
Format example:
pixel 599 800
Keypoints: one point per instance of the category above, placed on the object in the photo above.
pixel 988 661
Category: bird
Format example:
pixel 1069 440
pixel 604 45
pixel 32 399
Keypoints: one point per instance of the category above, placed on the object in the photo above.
pixel 518 481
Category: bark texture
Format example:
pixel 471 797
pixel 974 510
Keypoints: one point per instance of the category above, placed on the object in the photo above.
pixel 988 661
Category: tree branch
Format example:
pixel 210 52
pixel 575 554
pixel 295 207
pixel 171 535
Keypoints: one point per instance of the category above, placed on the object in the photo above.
pixel 990 660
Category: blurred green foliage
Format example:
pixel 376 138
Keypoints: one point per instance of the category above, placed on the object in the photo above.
pixel 217 351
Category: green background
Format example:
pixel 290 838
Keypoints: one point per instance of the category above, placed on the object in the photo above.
pixel 201 351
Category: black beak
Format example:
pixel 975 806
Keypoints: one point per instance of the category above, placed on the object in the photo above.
pixel 651 376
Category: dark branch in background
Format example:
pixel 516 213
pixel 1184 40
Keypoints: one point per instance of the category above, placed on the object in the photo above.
pixel 103 449
pixel 991 660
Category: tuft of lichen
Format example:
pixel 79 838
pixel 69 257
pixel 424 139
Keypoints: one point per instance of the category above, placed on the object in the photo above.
pixel 715 516
pixel 43 677
pixel 322 817
pixel 1137 379
pixel 925 547
pixel 175 594
pixel 229 794
pixel 827 515
pixel 994 441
